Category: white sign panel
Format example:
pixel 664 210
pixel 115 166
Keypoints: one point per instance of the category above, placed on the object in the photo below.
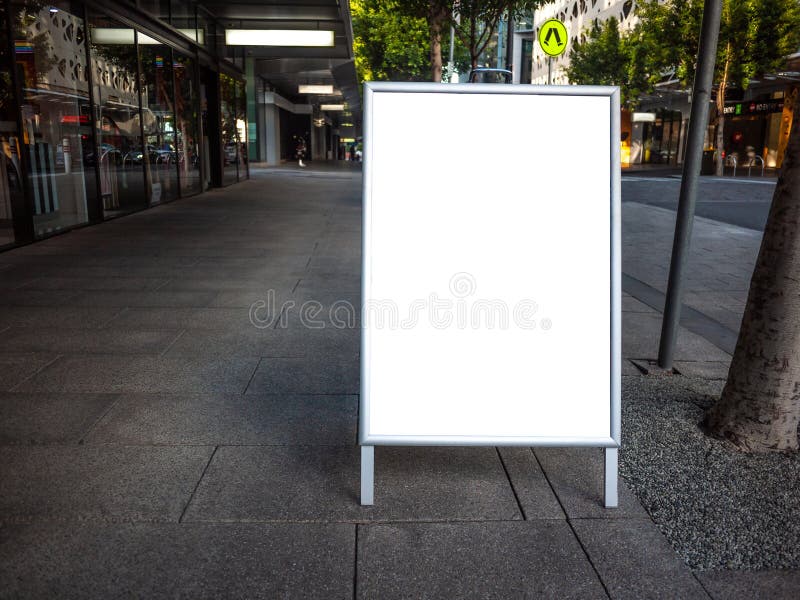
pixel 491 265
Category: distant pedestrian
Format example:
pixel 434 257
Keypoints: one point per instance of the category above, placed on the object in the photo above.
pixel 300 151
pixel 353 151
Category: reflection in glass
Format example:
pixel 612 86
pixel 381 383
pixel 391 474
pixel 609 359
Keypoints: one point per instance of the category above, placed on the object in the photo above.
pixel 158 120
pixel 186 118
pixel 157 8
pixel 119 153
pixel 51 61
pixel 182 15
pixel 241 128
pixel 10 168
pixel 228 132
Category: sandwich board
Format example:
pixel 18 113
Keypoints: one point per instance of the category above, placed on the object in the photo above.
pixel 491 269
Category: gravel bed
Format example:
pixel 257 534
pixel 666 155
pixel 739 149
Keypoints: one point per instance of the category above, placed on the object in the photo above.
pixel 719 508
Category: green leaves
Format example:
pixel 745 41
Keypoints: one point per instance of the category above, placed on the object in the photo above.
pixel 755 38
pixel 607 58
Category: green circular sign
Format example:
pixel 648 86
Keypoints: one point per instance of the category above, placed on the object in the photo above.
pixel 553 37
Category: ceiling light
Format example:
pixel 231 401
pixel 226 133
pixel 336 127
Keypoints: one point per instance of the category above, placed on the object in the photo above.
pixel 332 107
pixel 124 35
pixel 278 37
pixel 315 89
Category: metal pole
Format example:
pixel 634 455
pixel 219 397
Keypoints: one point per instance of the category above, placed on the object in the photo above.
pixel 549 70
pixel 698 121
pixel 367 475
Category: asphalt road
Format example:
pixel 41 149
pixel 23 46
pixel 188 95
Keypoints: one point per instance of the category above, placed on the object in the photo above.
pixel 742 202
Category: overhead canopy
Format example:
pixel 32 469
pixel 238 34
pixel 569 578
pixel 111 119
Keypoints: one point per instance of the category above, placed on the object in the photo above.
pixel 287 67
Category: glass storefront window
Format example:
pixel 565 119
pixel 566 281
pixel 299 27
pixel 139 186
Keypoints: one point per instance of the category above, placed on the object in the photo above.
pixel 11 186
pixel 241 129
pixel 157 8
pixel 158 120
pixel 182 17
pixel 228 132
pixel 205 31
pixel 50 57
pixel 119 156
pixel 187 125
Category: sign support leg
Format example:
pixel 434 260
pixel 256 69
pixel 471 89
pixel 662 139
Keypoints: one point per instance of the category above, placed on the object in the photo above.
pixel 367 475
pixel 611 496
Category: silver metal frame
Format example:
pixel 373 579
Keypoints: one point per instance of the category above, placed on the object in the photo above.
pixel 612 443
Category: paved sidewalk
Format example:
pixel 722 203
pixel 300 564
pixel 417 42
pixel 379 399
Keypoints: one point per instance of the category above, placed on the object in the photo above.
pixel 717 275
pixel 155 443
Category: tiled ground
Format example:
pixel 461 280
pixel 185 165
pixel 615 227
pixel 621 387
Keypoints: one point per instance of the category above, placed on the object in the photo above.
pixel 161 437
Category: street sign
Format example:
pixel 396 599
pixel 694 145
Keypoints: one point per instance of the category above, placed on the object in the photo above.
pixel 491 273
pixel 553 37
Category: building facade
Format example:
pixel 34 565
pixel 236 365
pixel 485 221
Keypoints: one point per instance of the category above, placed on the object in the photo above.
pixel 109 108
pixel 105 110
pixel 757 120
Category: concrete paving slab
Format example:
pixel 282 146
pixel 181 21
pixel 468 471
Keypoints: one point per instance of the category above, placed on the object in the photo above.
pixel 531 559
pixel 276 258
pixel 533 492
pixel 632 305
pixel 641 334
pixel 16 368
pixel 332 282
pixel 49 418
pixel 746 585
pixel 296 483
pixel 635 561
pixel 248 298
pixel 217 419
pixel 102 484
pixel 270 343
pixel 318 374
pixel 113 283
pixel 132 374
pixel 181 318
pixel 283 281
pixel 576 475
pixel 26 298
pixel 165 299
pixel 56 316
pixel 145 560
pixel 88 341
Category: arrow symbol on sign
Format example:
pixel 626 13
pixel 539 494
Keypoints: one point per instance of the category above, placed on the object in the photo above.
pixel 550 32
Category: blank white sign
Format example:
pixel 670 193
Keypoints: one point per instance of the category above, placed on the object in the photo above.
pixel 488 232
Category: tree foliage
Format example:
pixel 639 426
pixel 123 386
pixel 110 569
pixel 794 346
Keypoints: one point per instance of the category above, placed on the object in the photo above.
pixel 388 43
pixel 476 21
pixel 388 32
pixel 755 38
pixel 392 41
pixel 608 58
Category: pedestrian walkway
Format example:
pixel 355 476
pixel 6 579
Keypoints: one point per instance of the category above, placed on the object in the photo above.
pixel 717 276
pixel 163 434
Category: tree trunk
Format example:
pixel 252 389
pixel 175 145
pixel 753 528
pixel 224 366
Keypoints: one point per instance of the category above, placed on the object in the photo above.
pixel 436 19
pixel 473 43
pixel 759 409
pixel 720 142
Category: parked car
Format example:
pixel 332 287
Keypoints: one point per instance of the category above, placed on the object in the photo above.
pixel 486 75
pixel 108 153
